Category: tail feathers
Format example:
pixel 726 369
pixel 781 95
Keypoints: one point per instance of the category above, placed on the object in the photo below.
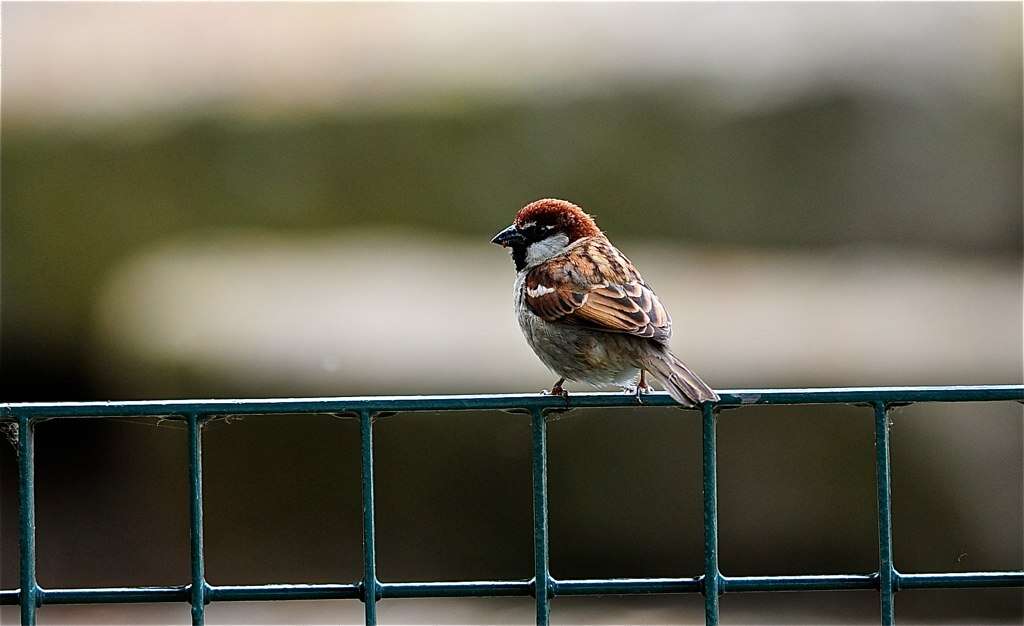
pixel 679 381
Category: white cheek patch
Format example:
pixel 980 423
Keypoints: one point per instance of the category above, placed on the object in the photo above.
pixel 539 291
pixel 540 251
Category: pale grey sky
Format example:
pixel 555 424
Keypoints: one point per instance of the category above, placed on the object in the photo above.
pixel 81 59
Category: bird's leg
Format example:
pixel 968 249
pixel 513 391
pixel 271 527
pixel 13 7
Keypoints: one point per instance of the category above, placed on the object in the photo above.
pixel 642 386
pixel 557 390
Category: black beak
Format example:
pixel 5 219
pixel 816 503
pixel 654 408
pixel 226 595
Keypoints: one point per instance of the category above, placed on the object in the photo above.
pixel 509 237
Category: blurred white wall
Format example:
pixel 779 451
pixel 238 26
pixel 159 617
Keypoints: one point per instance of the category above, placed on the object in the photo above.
pixel 390 312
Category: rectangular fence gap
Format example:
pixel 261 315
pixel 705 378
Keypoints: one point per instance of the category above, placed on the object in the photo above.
pixel 626 457
pixel 280 499
pixel 462 480
pixel 937 526
pixel 779 470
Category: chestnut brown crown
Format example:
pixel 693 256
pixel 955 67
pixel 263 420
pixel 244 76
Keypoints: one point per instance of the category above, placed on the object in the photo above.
pixel 563 216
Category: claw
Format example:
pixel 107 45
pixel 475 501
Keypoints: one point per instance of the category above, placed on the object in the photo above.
pixel 639 389
pixel 637 392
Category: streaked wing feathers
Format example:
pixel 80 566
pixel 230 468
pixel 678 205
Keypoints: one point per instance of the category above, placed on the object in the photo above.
pixel 594 285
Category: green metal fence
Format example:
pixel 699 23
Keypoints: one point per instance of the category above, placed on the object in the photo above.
pixel 711 582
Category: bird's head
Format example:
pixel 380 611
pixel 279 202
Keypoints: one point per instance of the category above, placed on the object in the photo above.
pixel 543 229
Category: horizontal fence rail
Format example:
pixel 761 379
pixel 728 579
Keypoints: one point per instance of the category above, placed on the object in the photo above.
pixel 711 583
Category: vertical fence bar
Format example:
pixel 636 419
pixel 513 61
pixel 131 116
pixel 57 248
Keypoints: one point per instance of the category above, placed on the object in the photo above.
pixel 27 520
pixel 712 576
pixel 371 586
pixel 886 571
pixel 541 575
pixel 195 476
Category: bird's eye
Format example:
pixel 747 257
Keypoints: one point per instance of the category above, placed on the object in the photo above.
pixel 535 231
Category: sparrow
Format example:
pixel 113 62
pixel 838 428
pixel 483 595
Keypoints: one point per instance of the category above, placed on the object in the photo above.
pixel 586 311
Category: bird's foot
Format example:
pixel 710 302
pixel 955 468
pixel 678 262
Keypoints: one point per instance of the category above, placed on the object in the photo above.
pixel 556 390
pixel 638 391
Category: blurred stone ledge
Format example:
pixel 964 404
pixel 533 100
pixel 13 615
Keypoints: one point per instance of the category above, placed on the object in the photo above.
pixel 255 313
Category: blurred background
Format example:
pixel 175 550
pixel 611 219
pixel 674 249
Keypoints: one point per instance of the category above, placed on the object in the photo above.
pixel 224 200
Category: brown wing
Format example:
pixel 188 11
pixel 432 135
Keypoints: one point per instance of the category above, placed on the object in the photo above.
pixel 594 285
